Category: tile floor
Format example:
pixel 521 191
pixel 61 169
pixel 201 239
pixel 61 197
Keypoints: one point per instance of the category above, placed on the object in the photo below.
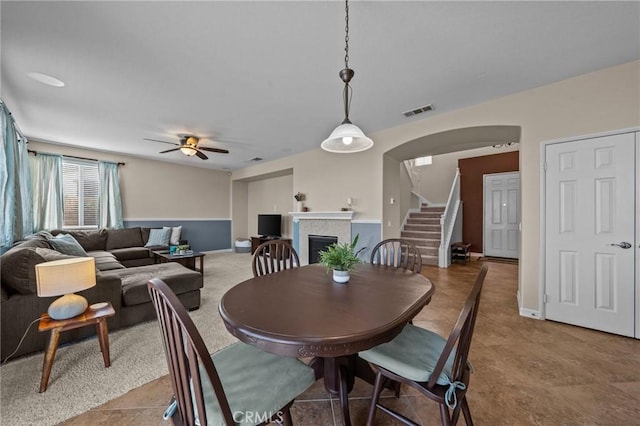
pixel 527 372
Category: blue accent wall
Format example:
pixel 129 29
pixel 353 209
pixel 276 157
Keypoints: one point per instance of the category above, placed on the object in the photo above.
pixel 369 234
pixel 203 235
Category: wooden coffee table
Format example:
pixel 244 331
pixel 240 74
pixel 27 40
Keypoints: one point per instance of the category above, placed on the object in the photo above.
pixel 88 317
pixel 188 260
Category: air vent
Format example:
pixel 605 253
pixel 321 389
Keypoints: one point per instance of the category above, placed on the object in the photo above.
pixel 417 111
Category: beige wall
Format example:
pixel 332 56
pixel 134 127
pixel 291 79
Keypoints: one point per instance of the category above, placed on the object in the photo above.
pixel 161 190
pixel 240 210
pixel 595 102
pixel 329 179
pixel 436 178
pixel 270 196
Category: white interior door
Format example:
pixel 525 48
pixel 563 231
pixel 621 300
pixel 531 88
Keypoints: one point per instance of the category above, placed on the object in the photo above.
pixel 501 234
pixel 589 208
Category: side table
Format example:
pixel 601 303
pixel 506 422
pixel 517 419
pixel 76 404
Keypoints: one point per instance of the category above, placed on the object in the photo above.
pixel 460 252
pixel 88 317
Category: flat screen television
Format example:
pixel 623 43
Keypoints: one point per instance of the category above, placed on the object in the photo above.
pixel 269 225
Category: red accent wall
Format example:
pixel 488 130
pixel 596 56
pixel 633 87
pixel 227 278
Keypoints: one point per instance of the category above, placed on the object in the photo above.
pixel 471 191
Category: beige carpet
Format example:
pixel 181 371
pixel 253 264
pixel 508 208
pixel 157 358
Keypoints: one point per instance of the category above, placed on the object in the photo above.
pixel 79 380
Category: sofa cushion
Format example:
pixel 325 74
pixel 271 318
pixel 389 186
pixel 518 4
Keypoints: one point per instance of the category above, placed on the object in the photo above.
pixel 50 255
pixel 18 272
pixel 134 281
pixel 66 244
pixel 89 240
pixel 105 261
pixel 131 253
pixel 122 238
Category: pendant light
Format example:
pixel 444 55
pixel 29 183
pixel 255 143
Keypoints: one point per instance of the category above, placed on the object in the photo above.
pixel 347 137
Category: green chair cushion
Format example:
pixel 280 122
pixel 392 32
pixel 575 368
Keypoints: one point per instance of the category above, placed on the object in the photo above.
pixel 412 354
pixel 256 383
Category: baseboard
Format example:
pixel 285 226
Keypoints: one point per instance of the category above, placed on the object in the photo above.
pixel 219 251
pixel 530 313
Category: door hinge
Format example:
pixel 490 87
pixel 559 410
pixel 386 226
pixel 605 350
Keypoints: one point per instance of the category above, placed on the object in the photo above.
pixel 544 166
pixel 544 298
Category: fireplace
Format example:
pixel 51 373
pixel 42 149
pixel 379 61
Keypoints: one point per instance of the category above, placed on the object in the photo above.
pixel 318 243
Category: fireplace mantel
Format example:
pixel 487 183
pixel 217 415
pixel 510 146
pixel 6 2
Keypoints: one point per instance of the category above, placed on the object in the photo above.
pixel 341 215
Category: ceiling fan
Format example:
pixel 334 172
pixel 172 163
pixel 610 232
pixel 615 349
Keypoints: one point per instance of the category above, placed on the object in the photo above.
pixel 189 146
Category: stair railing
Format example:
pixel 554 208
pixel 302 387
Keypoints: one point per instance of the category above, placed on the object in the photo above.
pixel 449 222
pixel 414 175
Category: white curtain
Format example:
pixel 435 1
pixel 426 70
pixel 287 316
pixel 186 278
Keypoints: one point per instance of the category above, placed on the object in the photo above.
pixel 110 201
pixel 48 208
pixel 16 219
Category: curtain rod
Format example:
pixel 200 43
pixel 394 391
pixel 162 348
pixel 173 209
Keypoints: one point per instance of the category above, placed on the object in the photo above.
pixel 74 156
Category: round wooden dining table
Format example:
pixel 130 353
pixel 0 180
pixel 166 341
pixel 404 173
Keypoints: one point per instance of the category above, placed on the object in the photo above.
pixel 302 313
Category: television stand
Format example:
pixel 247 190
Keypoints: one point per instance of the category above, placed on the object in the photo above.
pixel 256 241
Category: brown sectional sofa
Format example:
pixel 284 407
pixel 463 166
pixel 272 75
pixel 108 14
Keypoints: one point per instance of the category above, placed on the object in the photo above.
pixel 123 267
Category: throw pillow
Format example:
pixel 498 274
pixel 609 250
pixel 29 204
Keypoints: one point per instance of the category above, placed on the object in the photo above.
pixel 159 237
pixel 66 244
pixel 175 235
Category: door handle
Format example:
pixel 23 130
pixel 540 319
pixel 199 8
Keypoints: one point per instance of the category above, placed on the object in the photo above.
pixel 623 245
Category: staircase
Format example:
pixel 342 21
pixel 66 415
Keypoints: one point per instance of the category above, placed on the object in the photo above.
pixel 423 229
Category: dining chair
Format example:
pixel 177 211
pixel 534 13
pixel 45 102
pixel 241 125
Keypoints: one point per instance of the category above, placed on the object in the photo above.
pixel 274 256
pixel 239 384
pixel 437 367
pixel 398 253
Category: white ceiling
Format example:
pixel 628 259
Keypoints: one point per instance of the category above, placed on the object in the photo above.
pixel 261 78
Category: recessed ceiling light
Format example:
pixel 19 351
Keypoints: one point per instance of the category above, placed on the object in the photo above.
pixel 46 79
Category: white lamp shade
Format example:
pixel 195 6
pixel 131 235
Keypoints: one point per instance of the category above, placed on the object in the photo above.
pixel 65 276
pixel 347 138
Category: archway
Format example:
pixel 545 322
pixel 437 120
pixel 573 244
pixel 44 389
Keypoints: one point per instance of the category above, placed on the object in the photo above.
pixel 397 196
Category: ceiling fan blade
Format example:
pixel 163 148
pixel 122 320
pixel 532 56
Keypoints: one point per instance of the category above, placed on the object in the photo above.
pixel 169 150
pixel 156 140
pixel 218 150
pixel 201 155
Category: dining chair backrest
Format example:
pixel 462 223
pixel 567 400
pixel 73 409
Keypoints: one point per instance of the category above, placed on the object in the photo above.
pixel 461 334
pixel 274 256
pixel 187 356
pixel 398 253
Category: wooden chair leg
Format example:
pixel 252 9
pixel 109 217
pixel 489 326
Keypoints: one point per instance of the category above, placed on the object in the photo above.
pixel 377 390
pixel 444 414
pixel 286 418
pixel 466 412
pixel 455 415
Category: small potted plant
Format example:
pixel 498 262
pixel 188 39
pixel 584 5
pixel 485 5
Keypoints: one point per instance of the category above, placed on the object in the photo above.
pixel 300 197
pixel 341 258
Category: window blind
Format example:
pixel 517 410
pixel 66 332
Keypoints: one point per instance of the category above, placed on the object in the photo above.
pixel 81 192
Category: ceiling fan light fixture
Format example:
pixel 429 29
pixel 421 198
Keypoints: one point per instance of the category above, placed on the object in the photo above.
pixel 347 137
pixel 187 150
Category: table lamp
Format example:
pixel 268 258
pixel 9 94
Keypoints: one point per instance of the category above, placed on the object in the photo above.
pixel 63 278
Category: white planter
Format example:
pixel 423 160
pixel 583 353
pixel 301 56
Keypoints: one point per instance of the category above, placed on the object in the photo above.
pixel 299 206
pixel 340 277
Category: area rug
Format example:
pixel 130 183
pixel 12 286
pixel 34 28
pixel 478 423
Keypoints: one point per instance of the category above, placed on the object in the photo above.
pixel 79 381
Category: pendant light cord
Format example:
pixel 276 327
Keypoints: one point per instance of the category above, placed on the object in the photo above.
pixel 347 87
pixel 346 34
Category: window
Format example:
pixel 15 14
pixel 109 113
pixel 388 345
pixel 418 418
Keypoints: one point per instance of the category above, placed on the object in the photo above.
pixel 423 161
pixel 81 193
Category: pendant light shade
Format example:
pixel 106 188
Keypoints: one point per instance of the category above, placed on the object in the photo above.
pixel 347 137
